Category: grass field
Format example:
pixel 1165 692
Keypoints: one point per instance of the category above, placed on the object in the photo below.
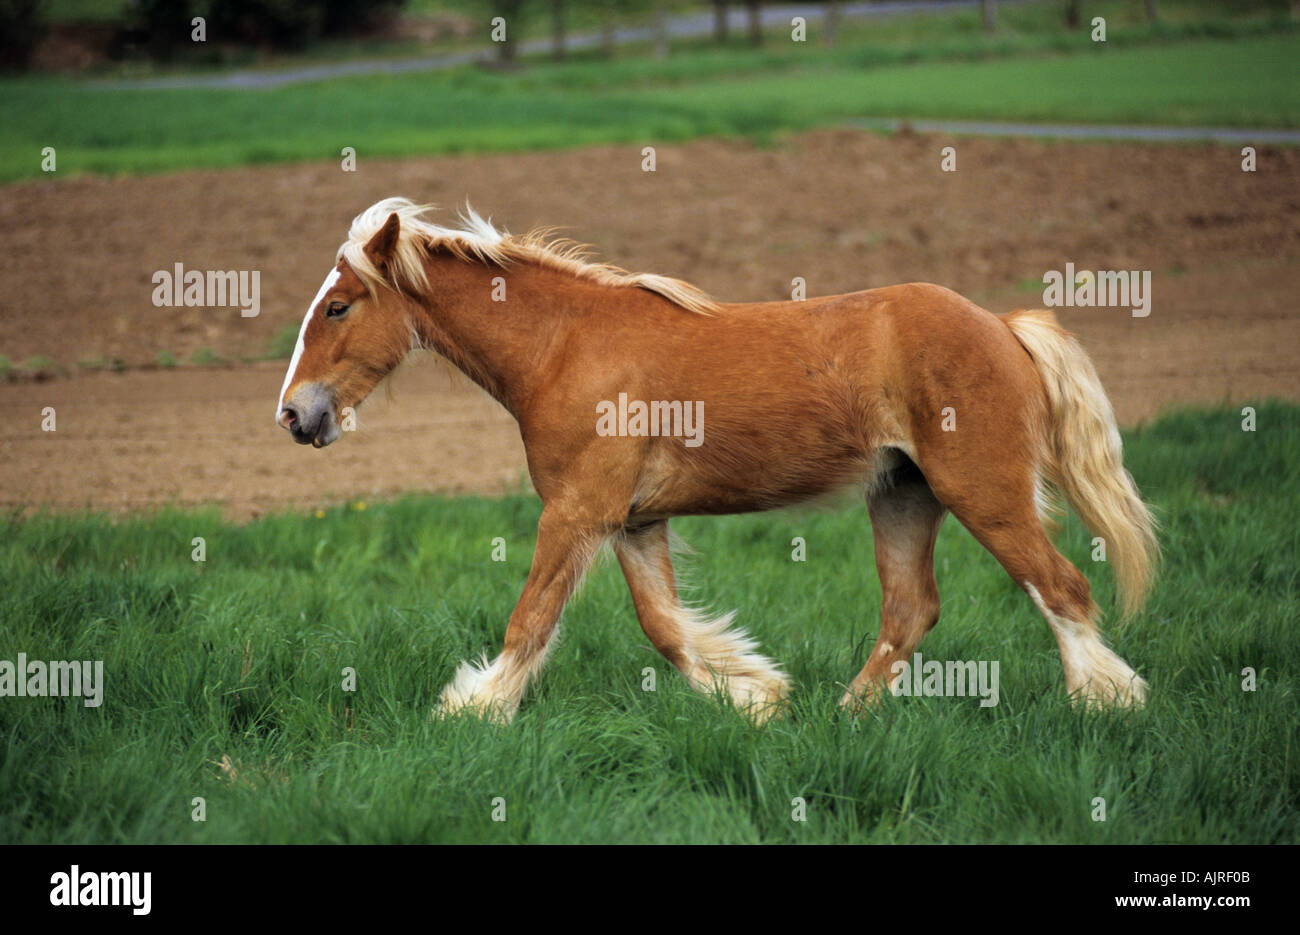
pixel 1248 81
pixel 239 661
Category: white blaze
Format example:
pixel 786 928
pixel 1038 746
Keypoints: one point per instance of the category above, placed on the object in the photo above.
pixel 325 287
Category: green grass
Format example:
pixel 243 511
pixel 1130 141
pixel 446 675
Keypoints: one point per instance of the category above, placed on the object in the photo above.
pixel 206 356
pixel 240 659
pixel 281 344
pixel 1245 81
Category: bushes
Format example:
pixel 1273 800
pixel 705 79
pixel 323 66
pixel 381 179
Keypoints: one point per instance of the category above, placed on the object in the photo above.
pixel 20 29
pixel 161 27
pixel 284 24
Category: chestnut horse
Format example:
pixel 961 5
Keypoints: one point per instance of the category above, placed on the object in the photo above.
pixel 639 398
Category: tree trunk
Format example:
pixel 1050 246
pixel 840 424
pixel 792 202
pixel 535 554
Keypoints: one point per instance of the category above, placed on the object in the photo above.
pixel 755 21
pixel 557 28
pixel 509 11
pixel 1153 15
pixel 990 9
pixel 661 31
pixel 719 21
pixel 1073 14
pixel 607 27
pixel 832 21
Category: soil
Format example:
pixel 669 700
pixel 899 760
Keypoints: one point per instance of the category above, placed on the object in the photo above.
pixel 844 210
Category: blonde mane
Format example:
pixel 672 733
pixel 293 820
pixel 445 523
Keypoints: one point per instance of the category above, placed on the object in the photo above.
pixel 477 240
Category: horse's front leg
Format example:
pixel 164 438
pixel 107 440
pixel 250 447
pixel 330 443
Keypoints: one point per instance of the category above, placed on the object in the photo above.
pixel 566 544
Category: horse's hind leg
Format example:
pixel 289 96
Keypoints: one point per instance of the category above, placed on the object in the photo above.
pixel 709 653
pixel 905 519
pixel 1000 511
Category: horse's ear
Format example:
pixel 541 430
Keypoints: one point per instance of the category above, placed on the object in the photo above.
pixel 381 246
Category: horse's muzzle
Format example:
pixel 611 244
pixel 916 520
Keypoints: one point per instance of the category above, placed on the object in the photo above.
pixel 309 417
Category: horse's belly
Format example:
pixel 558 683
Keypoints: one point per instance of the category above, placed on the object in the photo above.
pixel 716 486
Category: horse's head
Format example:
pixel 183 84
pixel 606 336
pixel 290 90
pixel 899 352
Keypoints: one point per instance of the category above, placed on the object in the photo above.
pixel 355 332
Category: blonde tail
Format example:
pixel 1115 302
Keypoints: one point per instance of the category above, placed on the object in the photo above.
pixel 1084 457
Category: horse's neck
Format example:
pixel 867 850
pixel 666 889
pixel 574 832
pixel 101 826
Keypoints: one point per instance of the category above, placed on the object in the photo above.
pixel 500 327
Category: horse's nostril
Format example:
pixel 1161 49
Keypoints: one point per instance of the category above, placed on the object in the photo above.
pixel 288 418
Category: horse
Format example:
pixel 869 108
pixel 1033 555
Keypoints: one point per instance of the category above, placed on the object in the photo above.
pixel 915 396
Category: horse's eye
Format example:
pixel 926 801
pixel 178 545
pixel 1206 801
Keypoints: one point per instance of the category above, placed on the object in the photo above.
pixel 336 310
